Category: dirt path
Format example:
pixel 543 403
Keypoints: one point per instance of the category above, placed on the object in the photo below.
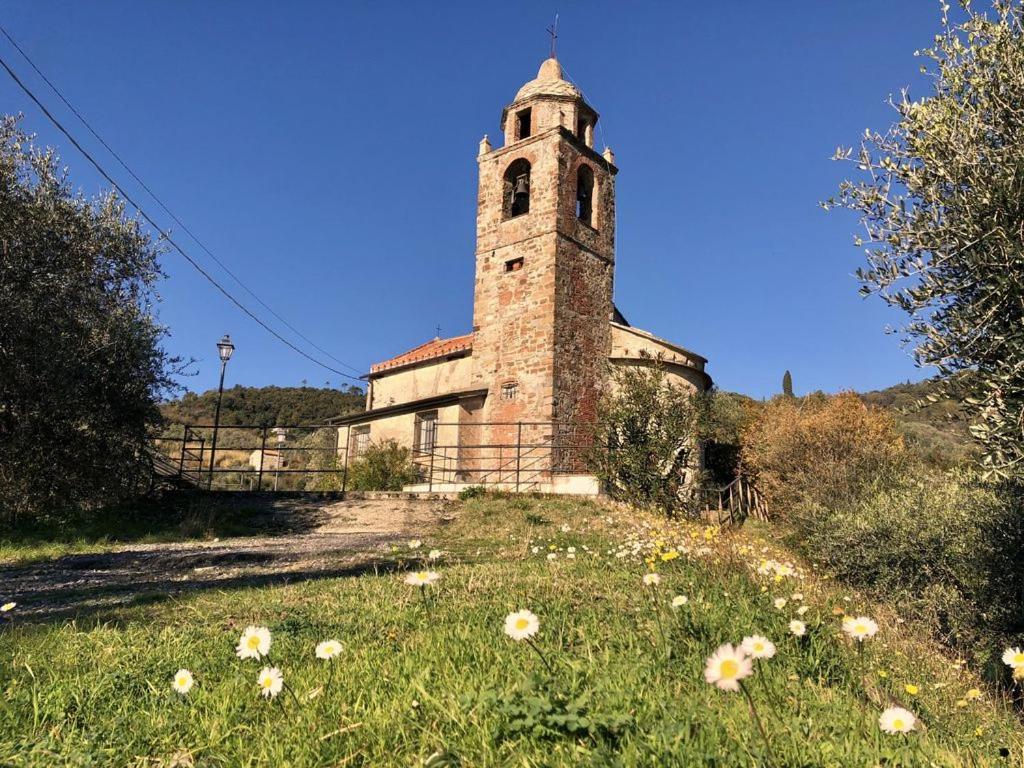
pixel 338 539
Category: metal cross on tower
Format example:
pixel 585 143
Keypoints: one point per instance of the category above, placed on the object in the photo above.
pixel 553 31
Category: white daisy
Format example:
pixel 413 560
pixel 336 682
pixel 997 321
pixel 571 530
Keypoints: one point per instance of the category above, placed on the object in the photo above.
pixel 435 554
pixel 758 647
pixel 726 667
pixel 254 643
pixel 183 681
pixel 859 628
pixel 270 682
pixel 679 601
pixel 897 720
pixel 780 602
pixel 422 578
pixel 415 544
pixel 651 579
pixel 798 628
pixel 521 625
pixel 1013 658
pixel 328 649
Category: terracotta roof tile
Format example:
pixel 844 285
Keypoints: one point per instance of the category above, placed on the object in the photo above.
pixel 430 350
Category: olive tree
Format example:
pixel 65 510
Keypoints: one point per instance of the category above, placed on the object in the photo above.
pixel 940 196
pixel 81 363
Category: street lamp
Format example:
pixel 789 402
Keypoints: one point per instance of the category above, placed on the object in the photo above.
pixel 224 350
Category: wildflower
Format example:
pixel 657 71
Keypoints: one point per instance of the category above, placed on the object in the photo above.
pixel 883 674
pixel 670 555
pixel 651 579
pixel 552 556
pixel 1013 657
pixel 726 667
pixel 571 550
pixel 435 554
pixel 415 544
pixel 798 596
pixel 859 628
pixel 973 695
pixel 254 643
pixel 798 628
pixel 328 649
pixel 565 528
pixel 270 682
pixel 679 601
pixel 758 647
pixel 780 602
pixel 1018 674
pixel 183 681
pixel 8 607
pixel 897 720
pixel 422 578
pixel 912 689
pixel 801 610
pixel 535 550
pixel 521 625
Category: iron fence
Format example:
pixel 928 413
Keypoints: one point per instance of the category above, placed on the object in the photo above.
pixel 518 456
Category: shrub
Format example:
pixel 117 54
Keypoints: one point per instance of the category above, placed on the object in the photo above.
pixel 821 449
pixel 948 549
pixel 648 439
pixel 383 466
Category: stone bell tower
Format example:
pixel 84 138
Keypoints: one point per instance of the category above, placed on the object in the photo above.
pixel 545 258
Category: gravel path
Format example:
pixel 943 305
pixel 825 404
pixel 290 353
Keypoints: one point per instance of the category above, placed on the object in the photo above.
pixel 346 538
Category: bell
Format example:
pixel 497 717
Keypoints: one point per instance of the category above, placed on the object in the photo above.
pixel 522 185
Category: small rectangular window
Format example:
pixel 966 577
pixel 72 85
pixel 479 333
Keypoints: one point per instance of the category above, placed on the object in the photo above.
pixel 426 432
pixel 509 390
pixel 514 265
pixel 523 123
pixel 360 440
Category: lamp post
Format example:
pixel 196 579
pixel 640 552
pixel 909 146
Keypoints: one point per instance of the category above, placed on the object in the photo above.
pixel 224 349
pixel 282 434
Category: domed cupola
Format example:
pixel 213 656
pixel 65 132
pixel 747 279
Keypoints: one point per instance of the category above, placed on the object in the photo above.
pixel 548 101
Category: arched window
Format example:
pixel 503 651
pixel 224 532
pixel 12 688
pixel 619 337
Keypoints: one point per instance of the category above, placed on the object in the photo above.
pixel 517 188
pixel 585 195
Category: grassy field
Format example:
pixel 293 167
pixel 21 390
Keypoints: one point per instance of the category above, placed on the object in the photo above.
pixel 428 677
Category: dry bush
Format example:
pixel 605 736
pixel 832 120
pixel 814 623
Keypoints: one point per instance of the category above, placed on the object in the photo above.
pixel 826 450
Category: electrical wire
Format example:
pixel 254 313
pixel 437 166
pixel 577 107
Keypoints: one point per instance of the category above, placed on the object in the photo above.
pixel 198 267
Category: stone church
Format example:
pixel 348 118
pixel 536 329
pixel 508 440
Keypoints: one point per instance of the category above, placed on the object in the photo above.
pixel 508 403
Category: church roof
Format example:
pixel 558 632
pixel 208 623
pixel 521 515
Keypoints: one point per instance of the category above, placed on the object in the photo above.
pixel 549 82
pixel 430 350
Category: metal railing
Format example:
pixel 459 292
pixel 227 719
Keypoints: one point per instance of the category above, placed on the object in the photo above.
pixel 512 455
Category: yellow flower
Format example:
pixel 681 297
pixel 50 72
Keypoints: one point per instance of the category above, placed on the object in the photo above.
pixel 883 674
pixel 912 689
pixel 973 695
pixel 670 555
pixel 8 607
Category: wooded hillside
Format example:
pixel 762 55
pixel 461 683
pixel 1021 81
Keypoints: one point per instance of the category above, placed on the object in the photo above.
pixel 266 405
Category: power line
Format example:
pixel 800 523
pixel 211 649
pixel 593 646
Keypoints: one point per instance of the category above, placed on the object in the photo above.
pixel 213 281
pixel 161 203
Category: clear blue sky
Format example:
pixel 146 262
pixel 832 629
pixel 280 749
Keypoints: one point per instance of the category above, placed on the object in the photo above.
pixel 326 152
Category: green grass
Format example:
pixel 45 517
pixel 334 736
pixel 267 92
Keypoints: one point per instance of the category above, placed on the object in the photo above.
pixel 431 680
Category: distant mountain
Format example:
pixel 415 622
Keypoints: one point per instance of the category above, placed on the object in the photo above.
pixel 266 405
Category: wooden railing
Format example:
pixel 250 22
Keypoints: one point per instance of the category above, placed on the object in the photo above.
pixel 736 502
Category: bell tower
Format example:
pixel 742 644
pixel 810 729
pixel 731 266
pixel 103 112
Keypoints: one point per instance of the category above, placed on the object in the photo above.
pixel 545 258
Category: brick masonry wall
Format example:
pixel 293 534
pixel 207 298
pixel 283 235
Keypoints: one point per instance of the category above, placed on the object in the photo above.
pixel 544 326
